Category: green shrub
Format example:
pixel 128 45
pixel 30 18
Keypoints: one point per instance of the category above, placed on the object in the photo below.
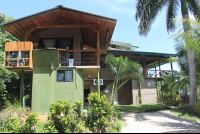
pixel 64 119
pixel 78 107
pixel 59 114
pixel 197 109
pixel 30 123
pixel 11 110
pixel 99 113
pixel 117 113
pixel 11 125
pixel 47 127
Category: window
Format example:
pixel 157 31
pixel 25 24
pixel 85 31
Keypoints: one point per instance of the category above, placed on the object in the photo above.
pixel 60 43
pixel 64 75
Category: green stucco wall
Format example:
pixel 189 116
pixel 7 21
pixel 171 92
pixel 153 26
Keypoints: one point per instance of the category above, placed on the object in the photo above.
pixel 46 89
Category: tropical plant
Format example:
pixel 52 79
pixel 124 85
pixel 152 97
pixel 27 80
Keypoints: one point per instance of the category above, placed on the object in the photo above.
pixel 99 113
pixel 14 110
pixel 4 73
pixel 182 54
pixel 146 12
pixel 123 70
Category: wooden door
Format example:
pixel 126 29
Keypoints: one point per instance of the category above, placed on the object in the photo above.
pixel 127 95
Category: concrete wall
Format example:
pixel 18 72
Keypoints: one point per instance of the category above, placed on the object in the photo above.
pixel 148 91
pixel 106 73
pixel 90 84
pixel 63 33
pixel 46 89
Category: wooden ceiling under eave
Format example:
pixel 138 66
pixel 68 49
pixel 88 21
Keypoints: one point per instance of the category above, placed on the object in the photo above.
pixel 65 16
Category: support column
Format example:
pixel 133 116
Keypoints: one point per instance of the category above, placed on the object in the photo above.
pixel 139 84
pixel 22 94
pixel 160 69
pixel 31 83
pixel 155 75
pixel 21 89
pixel 172 69
pixel 144 69
pixel 98 82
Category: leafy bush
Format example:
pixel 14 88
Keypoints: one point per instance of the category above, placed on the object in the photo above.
pixel 12 110
pixel 30 123
pixel 47 127
pixel 99 113
pixel 65 120
pixel 11 125
pixel 197 109
pixel 117 113
pixel 15 125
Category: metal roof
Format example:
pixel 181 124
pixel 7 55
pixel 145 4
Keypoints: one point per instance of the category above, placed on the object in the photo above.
pixel 146 53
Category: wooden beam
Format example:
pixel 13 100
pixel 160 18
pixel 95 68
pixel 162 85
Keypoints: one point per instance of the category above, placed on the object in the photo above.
pixel 98 37
pixel 88 47
pixel 98 47
pixel 94 29
pixel 130 54
pixel 67 26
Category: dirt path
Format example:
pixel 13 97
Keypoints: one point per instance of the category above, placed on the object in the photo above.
pixel 158 122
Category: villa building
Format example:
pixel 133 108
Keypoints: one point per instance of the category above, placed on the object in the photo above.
pixel 64 51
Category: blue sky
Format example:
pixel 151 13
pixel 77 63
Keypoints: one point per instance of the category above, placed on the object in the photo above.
pixel 158 39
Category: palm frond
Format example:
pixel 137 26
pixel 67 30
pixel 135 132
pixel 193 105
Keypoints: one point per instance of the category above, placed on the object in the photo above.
pixel 193 6
pixel 146 12
pixel 171 14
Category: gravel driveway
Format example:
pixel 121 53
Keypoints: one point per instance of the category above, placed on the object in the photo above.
pixel 158 122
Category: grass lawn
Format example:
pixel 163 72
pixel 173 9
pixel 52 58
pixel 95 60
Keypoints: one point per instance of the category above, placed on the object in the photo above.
pixel 137 108
pixel 184 114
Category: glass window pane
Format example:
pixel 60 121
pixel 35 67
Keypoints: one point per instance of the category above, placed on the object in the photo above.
pixel 69 75
pixel 60 75
pixel 49 43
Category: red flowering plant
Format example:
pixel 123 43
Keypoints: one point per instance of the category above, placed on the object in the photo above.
pixel 185 100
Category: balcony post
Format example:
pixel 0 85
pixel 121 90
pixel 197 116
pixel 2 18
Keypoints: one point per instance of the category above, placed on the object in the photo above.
pixel 98 82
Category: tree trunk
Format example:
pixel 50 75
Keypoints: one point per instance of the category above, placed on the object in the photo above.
pixel 112 93
pixel 190 55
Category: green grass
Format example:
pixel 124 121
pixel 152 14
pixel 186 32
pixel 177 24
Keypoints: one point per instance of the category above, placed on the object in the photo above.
pixel 182 113
pixel 137 108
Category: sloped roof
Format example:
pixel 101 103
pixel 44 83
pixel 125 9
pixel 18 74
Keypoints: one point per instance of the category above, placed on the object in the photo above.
pixel 65 16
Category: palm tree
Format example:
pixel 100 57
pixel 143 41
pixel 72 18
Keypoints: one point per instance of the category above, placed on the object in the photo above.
pixel 146 12
pixel 123 70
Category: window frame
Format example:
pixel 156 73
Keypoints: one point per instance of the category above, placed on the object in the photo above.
pixel 64 75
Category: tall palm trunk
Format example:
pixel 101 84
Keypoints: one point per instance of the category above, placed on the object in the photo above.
pixel 112 93
pixel 190 55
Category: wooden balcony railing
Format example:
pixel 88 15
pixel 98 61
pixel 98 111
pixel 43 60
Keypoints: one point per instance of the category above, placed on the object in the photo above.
pixel 18 55
pixel 79 57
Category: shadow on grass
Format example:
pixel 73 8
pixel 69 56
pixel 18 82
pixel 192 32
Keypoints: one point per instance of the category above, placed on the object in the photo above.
pixel 172 123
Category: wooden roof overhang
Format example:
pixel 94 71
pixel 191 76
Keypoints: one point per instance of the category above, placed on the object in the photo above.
pixel 96 30
pixel 150 57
